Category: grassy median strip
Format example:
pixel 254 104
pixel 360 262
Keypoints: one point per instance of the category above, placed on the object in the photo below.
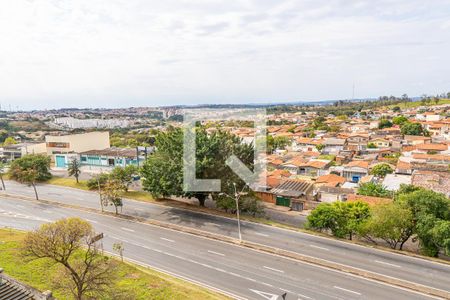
pixel 135 282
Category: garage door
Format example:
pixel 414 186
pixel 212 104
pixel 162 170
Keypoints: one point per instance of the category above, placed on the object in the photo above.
pixel 282 201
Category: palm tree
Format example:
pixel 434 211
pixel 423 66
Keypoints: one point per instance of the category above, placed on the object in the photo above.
pixel 74 169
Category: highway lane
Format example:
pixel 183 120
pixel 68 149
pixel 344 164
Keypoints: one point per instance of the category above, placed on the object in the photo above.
pixel 239 271
pixel 416 270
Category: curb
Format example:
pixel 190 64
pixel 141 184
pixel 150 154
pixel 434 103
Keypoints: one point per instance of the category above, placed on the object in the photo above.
pixel 255 246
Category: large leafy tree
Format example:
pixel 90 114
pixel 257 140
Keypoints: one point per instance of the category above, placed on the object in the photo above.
pixel 409 128
pixel 431 217
pixel 390 222
pixel 163 172
pixel 31 169
pixel 70 244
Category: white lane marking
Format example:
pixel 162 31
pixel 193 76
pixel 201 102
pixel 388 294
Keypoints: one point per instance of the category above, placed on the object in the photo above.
pixel 190 260
pixel 261 234
pixel 276 270
pixel 212 224
pixel 386 263
pixel 303 296
pixel 346 290
pixel 167 240
pixel 21 206
pixel 127 229
pixel 318 247
pixel 91 221
pixel 216 253
pixel 266 284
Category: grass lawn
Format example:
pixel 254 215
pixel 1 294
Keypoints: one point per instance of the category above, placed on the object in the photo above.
pixel 418 103
pixel 141 283
pixel 69 182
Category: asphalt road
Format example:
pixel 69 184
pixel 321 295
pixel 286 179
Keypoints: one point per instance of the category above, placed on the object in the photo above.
pixel 237 271
pixel 412 269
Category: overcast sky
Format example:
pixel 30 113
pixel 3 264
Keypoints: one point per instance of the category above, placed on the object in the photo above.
pixel 112 53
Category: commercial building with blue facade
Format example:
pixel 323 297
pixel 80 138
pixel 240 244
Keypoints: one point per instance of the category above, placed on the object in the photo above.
pixel 110 157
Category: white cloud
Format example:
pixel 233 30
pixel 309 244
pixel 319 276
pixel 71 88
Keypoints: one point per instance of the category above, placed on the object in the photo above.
pixel 122 53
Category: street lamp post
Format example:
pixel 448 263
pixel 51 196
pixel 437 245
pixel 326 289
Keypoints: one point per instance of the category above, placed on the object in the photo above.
pixel 236 198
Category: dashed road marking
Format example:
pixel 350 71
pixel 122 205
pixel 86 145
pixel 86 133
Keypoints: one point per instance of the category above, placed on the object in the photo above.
pixel 346 290
pixel 167 240
pixel 127 229
pixel 388 264
pixel 272 269
pixel 318 247
pixel 216 253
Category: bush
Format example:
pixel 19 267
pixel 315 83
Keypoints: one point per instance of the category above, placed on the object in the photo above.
pixel 373 190
pixel 381 170
pixel 101 179
pixel 342 219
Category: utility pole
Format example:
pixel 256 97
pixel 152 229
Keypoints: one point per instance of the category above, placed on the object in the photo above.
pixel 236 197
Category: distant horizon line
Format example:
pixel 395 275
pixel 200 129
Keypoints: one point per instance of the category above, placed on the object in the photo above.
pixel 200 105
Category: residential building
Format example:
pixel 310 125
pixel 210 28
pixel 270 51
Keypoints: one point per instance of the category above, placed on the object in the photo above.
pixel 333 145
pixel 355 170
pixel 15 151
pixel 296 194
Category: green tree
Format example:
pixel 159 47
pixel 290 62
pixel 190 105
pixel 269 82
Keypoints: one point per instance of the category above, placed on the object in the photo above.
pixel 274 143
pixel 163 172
pixel 112 193
pixel 31 169
pixel 9 141
pixel 409 128
pixel 319 124
pixel 74 169
pixel 373 189
pixel 125 175
pixel 396 109
pixel 341 218
pixel 381 170
pixel 70 244
pixel 320 147
pixel 371 145
pixel 431 212
pixel 391 222
pixel 399 120
pixel 384 123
